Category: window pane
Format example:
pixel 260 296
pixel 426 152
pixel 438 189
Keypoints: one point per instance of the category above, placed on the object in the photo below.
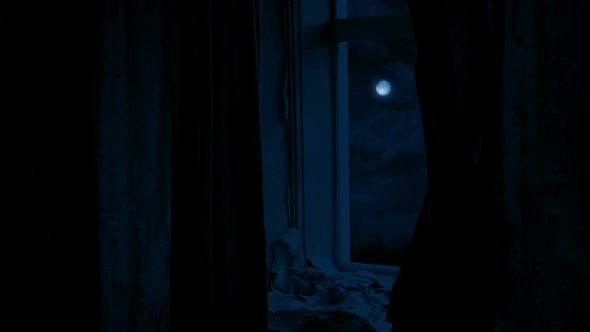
pixel 386 150
pixel 364 8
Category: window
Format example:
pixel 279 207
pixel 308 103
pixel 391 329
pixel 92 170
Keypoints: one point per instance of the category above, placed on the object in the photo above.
pixel 359 150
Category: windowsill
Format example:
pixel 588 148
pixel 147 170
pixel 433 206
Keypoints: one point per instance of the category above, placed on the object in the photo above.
pixel 390 271
pixel 317 290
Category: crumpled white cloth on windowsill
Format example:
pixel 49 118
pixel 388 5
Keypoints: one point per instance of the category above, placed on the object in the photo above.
pixel 312 295
pixel 311 298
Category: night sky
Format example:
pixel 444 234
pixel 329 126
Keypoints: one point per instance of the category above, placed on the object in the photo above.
pixel 387 157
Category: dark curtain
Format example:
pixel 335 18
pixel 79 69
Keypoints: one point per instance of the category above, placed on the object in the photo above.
pixel 448 277
pixel 157 145
pixel 218 241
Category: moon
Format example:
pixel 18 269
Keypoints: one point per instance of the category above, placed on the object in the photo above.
pixel 383 88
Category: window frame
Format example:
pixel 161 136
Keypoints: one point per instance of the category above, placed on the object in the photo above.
pixel 318 74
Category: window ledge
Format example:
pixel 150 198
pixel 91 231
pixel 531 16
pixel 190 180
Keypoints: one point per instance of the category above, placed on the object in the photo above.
pixel 325 295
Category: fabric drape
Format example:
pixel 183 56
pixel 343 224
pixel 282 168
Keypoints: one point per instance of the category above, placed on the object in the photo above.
pixel 447 275
pixel 181 229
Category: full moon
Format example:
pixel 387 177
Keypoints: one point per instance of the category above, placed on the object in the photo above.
pixel 383 88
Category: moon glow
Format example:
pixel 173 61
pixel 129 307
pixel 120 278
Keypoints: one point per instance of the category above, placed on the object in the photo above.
pixel 383 88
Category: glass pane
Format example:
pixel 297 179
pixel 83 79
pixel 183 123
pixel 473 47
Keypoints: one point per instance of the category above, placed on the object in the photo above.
pixel 364 8
pixel 387 155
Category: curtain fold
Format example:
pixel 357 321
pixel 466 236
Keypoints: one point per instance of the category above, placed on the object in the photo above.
pixel 219 276
pixel 134 164
pixel 181 228
pixel 447 274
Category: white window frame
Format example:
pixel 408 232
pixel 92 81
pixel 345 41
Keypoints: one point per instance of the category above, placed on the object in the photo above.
pixel 319 118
